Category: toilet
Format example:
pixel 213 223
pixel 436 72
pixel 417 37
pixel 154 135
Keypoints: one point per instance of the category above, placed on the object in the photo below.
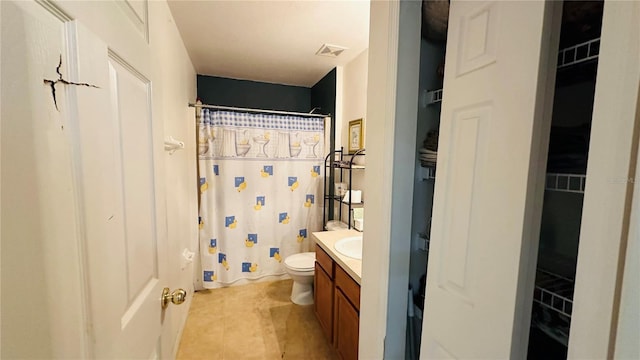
pixel 301 267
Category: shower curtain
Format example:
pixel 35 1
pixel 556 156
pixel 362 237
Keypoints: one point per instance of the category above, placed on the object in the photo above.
pixel 260 192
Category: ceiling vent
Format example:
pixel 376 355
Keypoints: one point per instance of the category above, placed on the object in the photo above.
pixel 330 50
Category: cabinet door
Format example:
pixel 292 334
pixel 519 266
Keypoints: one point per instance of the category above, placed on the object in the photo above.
pixel 323 301
pixel 346 327
pixel 486 209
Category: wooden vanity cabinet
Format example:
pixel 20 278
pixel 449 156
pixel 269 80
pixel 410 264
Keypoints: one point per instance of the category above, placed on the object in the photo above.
pixel 346 315
pixel 323 292
pixel 337 305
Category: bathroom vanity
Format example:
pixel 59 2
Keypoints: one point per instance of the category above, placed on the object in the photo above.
pixel 337 292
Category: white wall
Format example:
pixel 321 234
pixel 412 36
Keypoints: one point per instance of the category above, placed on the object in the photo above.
pixel 351 104
pixel 354 94
pixel 339 105
pixel 392 103
pixel 174 87
pixel 375 249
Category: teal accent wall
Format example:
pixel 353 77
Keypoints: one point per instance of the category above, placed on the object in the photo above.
pixel 215 90
pixel 323 94
pixel 323 97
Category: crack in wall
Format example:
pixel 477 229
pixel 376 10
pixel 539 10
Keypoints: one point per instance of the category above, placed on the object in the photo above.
pixel 60 79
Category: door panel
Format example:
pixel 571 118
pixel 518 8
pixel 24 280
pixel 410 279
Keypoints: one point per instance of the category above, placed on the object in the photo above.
pixel 484 232
pixel 137 12
pixel 116 162
pixel 131 114
pixel 346 325
pixel 323 301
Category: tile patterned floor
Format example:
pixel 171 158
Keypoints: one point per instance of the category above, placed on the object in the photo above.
pixel 256 321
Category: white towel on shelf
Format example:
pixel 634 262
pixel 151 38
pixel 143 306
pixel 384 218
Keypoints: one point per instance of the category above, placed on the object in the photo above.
pixel 358 214
pixel 353 196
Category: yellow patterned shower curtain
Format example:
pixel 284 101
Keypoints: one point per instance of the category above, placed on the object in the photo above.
pixel 260 192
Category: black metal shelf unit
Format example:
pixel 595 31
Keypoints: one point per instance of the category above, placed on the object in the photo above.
pixel 337 159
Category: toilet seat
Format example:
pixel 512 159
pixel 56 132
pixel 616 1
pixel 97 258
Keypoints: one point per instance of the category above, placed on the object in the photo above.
pixel 301 262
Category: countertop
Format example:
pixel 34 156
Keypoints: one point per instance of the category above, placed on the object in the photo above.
pixel 326 240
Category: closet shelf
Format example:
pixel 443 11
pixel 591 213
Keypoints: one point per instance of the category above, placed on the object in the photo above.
pixel 427 173
pixel 554 292
pixel 553 333
pixel 572 55
pixel 425 241
pixel 580 53
pixel 573 183
pixel 434 96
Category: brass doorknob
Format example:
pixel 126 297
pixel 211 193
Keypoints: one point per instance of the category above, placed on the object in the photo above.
pixel 177 297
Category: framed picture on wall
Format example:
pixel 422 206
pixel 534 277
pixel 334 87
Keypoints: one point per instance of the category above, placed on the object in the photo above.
pixel 355 135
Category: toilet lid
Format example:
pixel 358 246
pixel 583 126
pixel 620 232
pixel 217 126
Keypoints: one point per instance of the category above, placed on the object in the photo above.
pixel 302 261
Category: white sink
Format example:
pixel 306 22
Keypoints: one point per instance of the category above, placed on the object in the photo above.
pixel 351 247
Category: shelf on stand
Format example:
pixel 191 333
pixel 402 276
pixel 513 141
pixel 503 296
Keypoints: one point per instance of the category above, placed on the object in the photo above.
pixel 346 166
pixel 336 225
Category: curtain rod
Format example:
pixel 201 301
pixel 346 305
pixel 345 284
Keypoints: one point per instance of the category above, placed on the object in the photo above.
pixel 256 110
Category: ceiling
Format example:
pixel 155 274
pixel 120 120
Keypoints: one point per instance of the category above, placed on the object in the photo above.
pixel 271 40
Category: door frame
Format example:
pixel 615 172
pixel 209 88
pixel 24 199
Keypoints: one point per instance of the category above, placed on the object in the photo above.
pixel 609 189
pixel 392 110
pixel 56 254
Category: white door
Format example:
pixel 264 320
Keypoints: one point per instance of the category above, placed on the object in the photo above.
pixel 113 145
pixel 627 345
pixel 602 320
pixel 491 158
pixel 125 243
